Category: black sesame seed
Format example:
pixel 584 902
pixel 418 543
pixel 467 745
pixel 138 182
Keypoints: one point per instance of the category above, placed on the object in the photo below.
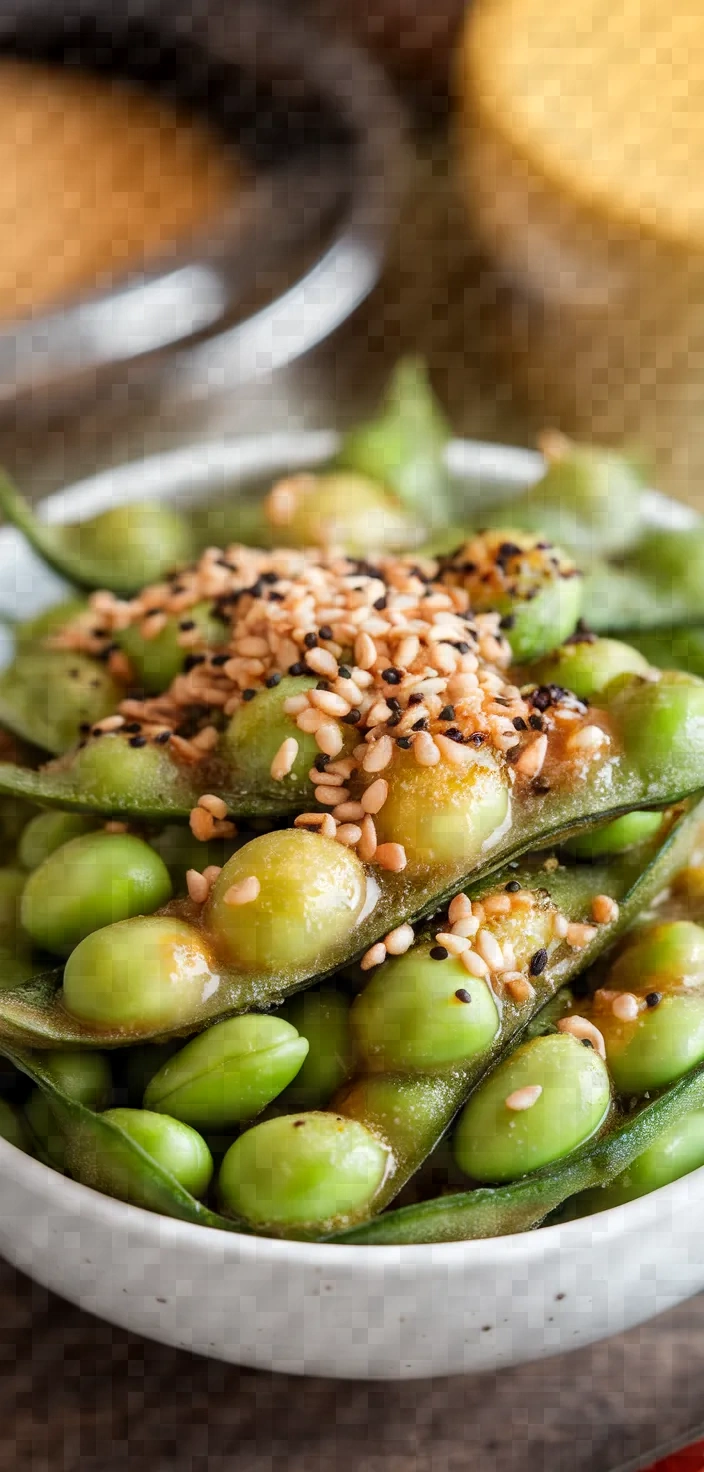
pixel 267 577
pixel 138 741
pixel 404 742
pixel 353 717
pixel 539 786
pixel 508 621
pixel 395 719
pixel 395 705
pixel 84 727
pixel 96 732
pixel 321 762
pixel 512 887
pixel 344 672
pixel 463 646
pixel 506 550
pixel 275 597
pixel 298 1124
pixel 74 674
pixel 272 681
pixel 186 624
pixel 447 713
pixel 519 723
pixel 323 685
pixel 535 723
pixel 455 735
pixel 380 603
pixel 218 660
pixel 248 694
pixel 325 632
pixel 192 660
pixel 162 738
pixel 152 613
pixel 439 953
pixel 476 738
pixel 310 641
pixel 421 725
pixel 463 995
pixel 131 730
pixel 415 699
pixel 538 962
pixel 586 1042
pixel 297 668
pixel 391 676
pixel 653 998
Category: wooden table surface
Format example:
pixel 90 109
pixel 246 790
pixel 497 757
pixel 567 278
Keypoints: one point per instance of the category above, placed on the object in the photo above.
pixel 77 1394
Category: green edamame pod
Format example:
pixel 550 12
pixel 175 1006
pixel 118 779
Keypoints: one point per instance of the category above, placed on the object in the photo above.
pixel 614 838
pixel 588 500
pixel 90 882
pixel 300 1170
pixel 84 1077
pixel 121 549
pixel 660 723
pixel 404 446
pixel 533 585
pixel 587 666
pixel 14 1129
pixel 256 731
pixel 544 1101
pixel 322 1017
pixel 676 1152
pixel 46 696
pixel 16 963
pixel 229 1073
pixel 48 831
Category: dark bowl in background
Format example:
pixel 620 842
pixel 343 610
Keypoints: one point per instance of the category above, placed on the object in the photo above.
pixel 304 241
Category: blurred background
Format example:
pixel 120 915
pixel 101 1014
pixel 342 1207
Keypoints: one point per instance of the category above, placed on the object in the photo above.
pixel 237 217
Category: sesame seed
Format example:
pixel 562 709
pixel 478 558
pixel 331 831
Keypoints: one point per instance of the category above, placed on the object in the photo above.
pixel 391 856
pixel 197 886
pixel 213 804
pixel 490 950
pixel 447 713
pixel 625 1007
pixel 243 893
pixel 463 995
pixel 348 834
pixel 392 676
pixel 367 846
pixel 524 1098
pixel 295 669
pixel 579 936
pixel 474 964
pixel 310 641
pixel 581 1028
pixel 136 741
pixel 439 953
pixel 400 940
pixel 273 680
pixel 538 962
pixel 375 796
pixel 248 694
pixel 325 632
pixel 378 755
pixel 513 886
pixel 373 957
pixel 404 742
pixel 605 911
pixel 653 999
pixel 460 908
pixel 284 759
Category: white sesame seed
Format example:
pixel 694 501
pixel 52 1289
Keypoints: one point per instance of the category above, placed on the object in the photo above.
pixel 378 755
pixel 519 988
pixel 425 750
pixel 460 907
pixel 490 950
pixel 375 796
pixel 452 752
pixel 581 1027
pixel 328 778
pixel 327 701
pixel 455 944
pixel 330 797
pixel 243 893
pixel 461 685
pixel 294 704
pixel 197 886
pixel 365 651
pixel 589 738
pixel 579 936
pixel 467 927
pixel 497 904
pixel 604 910
pixel 474 964
pixel 328 827
pixel 367 844
pixel 328 738
pixel 309 720
pixel 530 762
pixel 625 1007
pixel 349 834
pixel 309 820
pixel 378 713
pixel 560 926
pixel 407 651
pixel 524 1098
pixel 348 812
pixel 284 759
pixel 109 723
pixel 400 940
pixel 391 856
pixel 373 957
pixel 322 662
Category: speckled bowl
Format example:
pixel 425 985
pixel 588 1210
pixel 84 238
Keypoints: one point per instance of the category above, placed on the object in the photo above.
pixel 304 1308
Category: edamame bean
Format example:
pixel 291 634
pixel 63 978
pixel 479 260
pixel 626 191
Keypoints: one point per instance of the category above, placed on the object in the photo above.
pixel 14 1128
pixel 588 667
pixel 229 1073
pixel 589 500
pixel 48 831
pixel 140 975
pixel 111 772
pixel 91 882
pixel 82 1076
pixel 543 1101
pixel 534 586
pixel 341 509
pixel 156 662
pixel 673 560
pixel 404 445
pixel 127 547
pixel 299 1169
pixel 443 815
pixel 258 728
pixel 47 695
pixel 664 971
pixel 305 895
pixel 614 838
pixel 15 945
pixel 661 721
pixel 417 1013
pixel 32 632
pixel 676 1152
pixel 670 953
pixel 175 1146
pixel 322 1017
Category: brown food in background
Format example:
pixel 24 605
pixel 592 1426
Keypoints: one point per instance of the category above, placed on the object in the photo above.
pixel 95 177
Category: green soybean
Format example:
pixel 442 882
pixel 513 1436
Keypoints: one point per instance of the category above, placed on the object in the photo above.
pixel 82 1076
pixel 587 667
pixel 442 815
pixel 46 696
pixel 140 976
pixel 156 662
pixel 664 970
pixel 229 1073
pixel 533 585
pixel 660 722
pixel 257 729
pixel 322 1017
pixel 500 1138
pixel 307 895
pixel 614 838
pixel 118 777
pixel 48 831
pixel 32 632
pixel 676 1152
pixel 416 1013
pixel 342 508
pixel 91 882
pixel 14 1129
pixel 300 1169
pixel 15 945
pixel 589 500
pixel 673 560
pixel 175 1146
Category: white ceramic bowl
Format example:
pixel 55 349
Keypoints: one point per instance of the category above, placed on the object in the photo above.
pixel 304 1308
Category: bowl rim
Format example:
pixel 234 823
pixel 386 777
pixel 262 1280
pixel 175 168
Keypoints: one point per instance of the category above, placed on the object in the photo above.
pixel 174 474
pixel 189 298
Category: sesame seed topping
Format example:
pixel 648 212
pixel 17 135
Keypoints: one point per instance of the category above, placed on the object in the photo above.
pixel 538 962
pixel 524 1098
pixel 653 999
pixel 243 893
pixel 439 953
pixel 463 995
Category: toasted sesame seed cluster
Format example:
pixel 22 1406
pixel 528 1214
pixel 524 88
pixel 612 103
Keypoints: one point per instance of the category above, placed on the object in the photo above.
pixel 397 652
pixel 494 566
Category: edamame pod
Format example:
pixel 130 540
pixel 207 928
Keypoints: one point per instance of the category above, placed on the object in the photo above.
pixel 322 1017
pixel 404 446
pixel 121 549
pixel 533 585
pixel 47 696
pixel 14 1129
pixel 90 882
pixel 676 1152
pixel 16 962
pixel 84 1077
pixel 229 1073
pixel 176 1147
pixel 588 500
pixel 614 838
pixel 650 1010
